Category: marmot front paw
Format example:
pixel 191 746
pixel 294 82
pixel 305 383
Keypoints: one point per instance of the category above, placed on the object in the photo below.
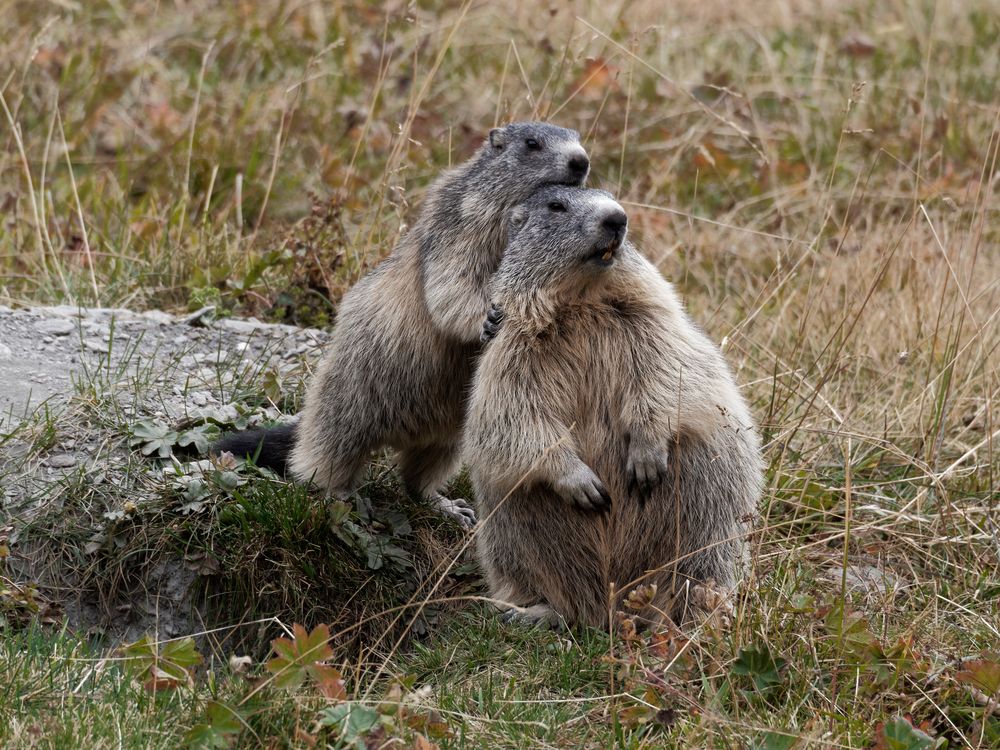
pixel 457 508
pixel 491 326
pixel 583 488
pixel 647 466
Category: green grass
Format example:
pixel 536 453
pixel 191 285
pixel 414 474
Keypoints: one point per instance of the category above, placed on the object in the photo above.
pixel 819 184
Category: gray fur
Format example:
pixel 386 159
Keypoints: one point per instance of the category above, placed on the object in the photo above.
pixel 596 380
pixel 401 359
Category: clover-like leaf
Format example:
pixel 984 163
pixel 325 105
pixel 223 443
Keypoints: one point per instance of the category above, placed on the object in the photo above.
pixel 294 657
pixel 153 436
pixel 855 633
pixel 761 666
pixel 352 719
pixel 775 741
pixel 221 727
pixel 899 734
pixel 162 668
pixel 983 674
pixel 200 437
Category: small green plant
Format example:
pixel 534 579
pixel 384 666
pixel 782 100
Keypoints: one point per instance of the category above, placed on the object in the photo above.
pixel 899 733
pixel 204 296
pixel 303 657
pixel 761 666
pixel 220 728
pixel 162 666
pixel 155 437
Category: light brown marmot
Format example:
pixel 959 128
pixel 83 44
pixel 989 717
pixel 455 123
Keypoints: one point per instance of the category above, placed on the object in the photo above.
pixel 607 440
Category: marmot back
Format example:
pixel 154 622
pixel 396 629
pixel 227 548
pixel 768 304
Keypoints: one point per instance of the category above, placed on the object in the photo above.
pixel 607 441
pixel 397 370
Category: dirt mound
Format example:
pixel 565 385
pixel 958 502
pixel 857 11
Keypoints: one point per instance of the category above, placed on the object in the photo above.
pixel 116 520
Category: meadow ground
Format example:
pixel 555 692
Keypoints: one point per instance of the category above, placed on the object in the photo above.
pixel 817 178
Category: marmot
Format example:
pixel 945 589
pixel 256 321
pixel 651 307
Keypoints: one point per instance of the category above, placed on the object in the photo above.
pixel 606 438
pixel 402 354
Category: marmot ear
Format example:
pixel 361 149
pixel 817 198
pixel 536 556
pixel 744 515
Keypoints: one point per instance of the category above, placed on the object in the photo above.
pixel 498 138
pixel 518 216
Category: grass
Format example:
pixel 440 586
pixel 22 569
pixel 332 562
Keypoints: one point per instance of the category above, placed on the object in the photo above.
pixel 819 181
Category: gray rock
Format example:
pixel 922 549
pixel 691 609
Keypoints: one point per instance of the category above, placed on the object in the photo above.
pixel 97 329
pixel 56 326
pixel 248 326
pixel 5 352
pixel 202 317
pixel 106 313
pixel 66 311
pixel 158 316
pixel 61 461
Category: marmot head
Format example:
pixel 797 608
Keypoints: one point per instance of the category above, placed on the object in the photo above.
pixel 562 239
pixel 523 156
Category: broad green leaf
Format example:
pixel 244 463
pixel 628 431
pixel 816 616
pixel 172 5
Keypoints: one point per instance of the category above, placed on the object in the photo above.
pixel 200 437
pixel 220 729
pixel 758 663
pixel 153 436
pixel 293 656
pixel 899 734
pixel 165 668
pixel 352 720
pixel 775 741
pixel 982 673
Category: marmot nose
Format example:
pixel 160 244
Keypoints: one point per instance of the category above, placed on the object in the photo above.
pixel 579 165
pixel 616 221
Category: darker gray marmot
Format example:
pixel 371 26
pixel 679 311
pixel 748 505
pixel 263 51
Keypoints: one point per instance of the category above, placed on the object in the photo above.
pixel 606 436
pixel 402 355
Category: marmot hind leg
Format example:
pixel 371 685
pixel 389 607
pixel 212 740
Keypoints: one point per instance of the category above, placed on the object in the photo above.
pixel 334 466
pixel 520 606
pixel 426 468
pixel 536 616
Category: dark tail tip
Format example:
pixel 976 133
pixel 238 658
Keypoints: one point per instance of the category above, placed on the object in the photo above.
pixel 267 447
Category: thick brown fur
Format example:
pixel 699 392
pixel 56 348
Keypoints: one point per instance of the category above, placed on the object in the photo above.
pixel 398 367
pixel 597 387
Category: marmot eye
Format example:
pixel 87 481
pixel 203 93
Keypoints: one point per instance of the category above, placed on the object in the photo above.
pixel 557 206
pixel 532 144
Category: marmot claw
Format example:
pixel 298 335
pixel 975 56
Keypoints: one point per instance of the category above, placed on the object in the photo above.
pixel 539 615
pixel 646 467
pixel 584 489
pixel 459 509
pixel 491 326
